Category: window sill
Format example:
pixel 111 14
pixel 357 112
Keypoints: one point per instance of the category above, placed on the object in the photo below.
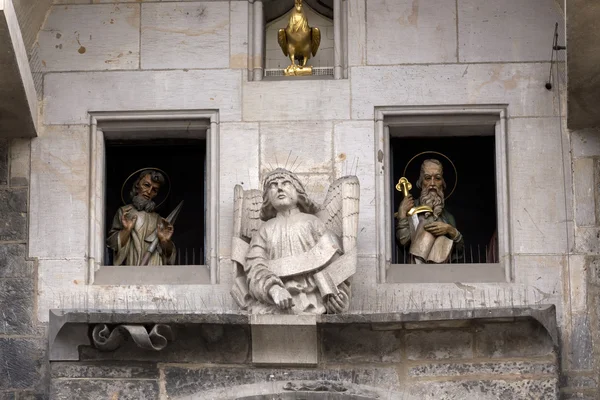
pixel 157 275
pixel 446 273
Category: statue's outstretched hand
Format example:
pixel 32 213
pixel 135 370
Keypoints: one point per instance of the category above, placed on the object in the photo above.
pixel 164 230
pixel 127 220
pixel 281 297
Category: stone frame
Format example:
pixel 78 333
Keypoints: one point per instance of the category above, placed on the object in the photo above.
pixel 483 115
pixel 256 41
pixel 136 122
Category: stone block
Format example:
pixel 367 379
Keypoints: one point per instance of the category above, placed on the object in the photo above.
pixel 578 396
pixel 271 344
pixel 181 381
pixel 587 239
pixel 593 263
pixel 510 30
pixel 360 344
pixel 357 32
pixel 66 389
pixel 541 273
pixel 297 100
pixel 73 95
pixel 581 381
pixel 198 30
pixel 521 86
pixel 104 370
pixel 238 164
pixel 13 263
pixel 482 368
pixel 486 389
pixel 4 165
pixel 19 162
pixel 32 395
pixel 578 281
pixel 518 339
pixel 581 349
pixel 537 207
pixel 308 143
pixel 59 192
pixel 238 34
pixel 354 154
pixel 16 303
pixel 439 345
pixel 13 209
pixel 316 185
pixel 585 189
pixel 23 368
pixel 411 32
pixel 585 142
pixel 86 37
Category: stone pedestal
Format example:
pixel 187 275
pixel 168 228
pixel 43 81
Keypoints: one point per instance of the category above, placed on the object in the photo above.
pixel 284 339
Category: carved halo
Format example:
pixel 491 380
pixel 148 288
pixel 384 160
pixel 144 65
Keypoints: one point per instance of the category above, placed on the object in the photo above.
pixel 440 154
pixel 127 185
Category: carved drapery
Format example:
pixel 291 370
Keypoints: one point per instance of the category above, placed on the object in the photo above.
pixel 107 339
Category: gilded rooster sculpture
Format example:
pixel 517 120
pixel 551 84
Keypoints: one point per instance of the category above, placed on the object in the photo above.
pixel 299 41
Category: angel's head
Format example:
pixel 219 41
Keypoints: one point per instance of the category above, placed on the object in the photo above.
pixel 298 5
pixel 282 190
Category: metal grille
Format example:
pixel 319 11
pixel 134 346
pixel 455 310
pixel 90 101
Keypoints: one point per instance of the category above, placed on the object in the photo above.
pixel 316 71
pixel 471 254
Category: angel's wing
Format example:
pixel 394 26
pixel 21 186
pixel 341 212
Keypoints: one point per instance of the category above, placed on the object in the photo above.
pixel 246 221
pixel 340 210
pixel 282 40
pixel 249 214
pixel 315 40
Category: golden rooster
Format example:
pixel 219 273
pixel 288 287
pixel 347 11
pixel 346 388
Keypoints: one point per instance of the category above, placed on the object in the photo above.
pixel 298 41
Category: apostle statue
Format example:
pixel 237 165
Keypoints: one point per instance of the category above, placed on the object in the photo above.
pixel 431 235
pixel 298 260
pixel 139 236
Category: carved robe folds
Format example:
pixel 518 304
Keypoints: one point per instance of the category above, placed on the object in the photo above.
pixel 142 235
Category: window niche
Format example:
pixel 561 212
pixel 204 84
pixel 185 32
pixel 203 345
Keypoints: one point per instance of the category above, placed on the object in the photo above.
pixel 266 17
pixel 473 138
pixel 181 144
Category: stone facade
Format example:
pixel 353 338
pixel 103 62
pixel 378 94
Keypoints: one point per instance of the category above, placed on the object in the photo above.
pixel 140 56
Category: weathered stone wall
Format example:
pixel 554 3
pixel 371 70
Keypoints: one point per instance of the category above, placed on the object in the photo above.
pixel 584 344
pixel 22 339
pixel 481 360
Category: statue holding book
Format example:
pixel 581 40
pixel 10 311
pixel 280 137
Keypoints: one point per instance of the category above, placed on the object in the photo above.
pixel 292 255
pixel 423 224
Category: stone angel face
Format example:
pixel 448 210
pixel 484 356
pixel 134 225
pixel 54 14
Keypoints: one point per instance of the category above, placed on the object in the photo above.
pixel 294 256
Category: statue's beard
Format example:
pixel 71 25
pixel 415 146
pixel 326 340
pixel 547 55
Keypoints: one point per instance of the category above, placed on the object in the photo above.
pixel 143 204
pixel 434 199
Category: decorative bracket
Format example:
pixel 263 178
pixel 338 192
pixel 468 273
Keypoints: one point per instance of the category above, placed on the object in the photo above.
pixel 157 339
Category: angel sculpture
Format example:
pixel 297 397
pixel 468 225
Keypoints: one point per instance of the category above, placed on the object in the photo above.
pixel 291 255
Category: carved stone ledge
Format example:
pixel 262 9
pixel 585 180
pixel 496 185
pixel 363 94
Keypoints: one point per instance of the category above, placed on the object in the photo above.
pixel 70 329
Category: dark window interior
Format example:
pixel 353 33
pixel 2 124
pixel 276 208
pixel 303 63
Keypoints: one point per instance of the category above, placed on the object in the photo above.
pixel 184 161
pixel 473 203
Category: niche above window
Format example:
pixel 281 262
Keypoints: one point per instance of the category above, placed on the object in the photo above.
pixel 266 59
